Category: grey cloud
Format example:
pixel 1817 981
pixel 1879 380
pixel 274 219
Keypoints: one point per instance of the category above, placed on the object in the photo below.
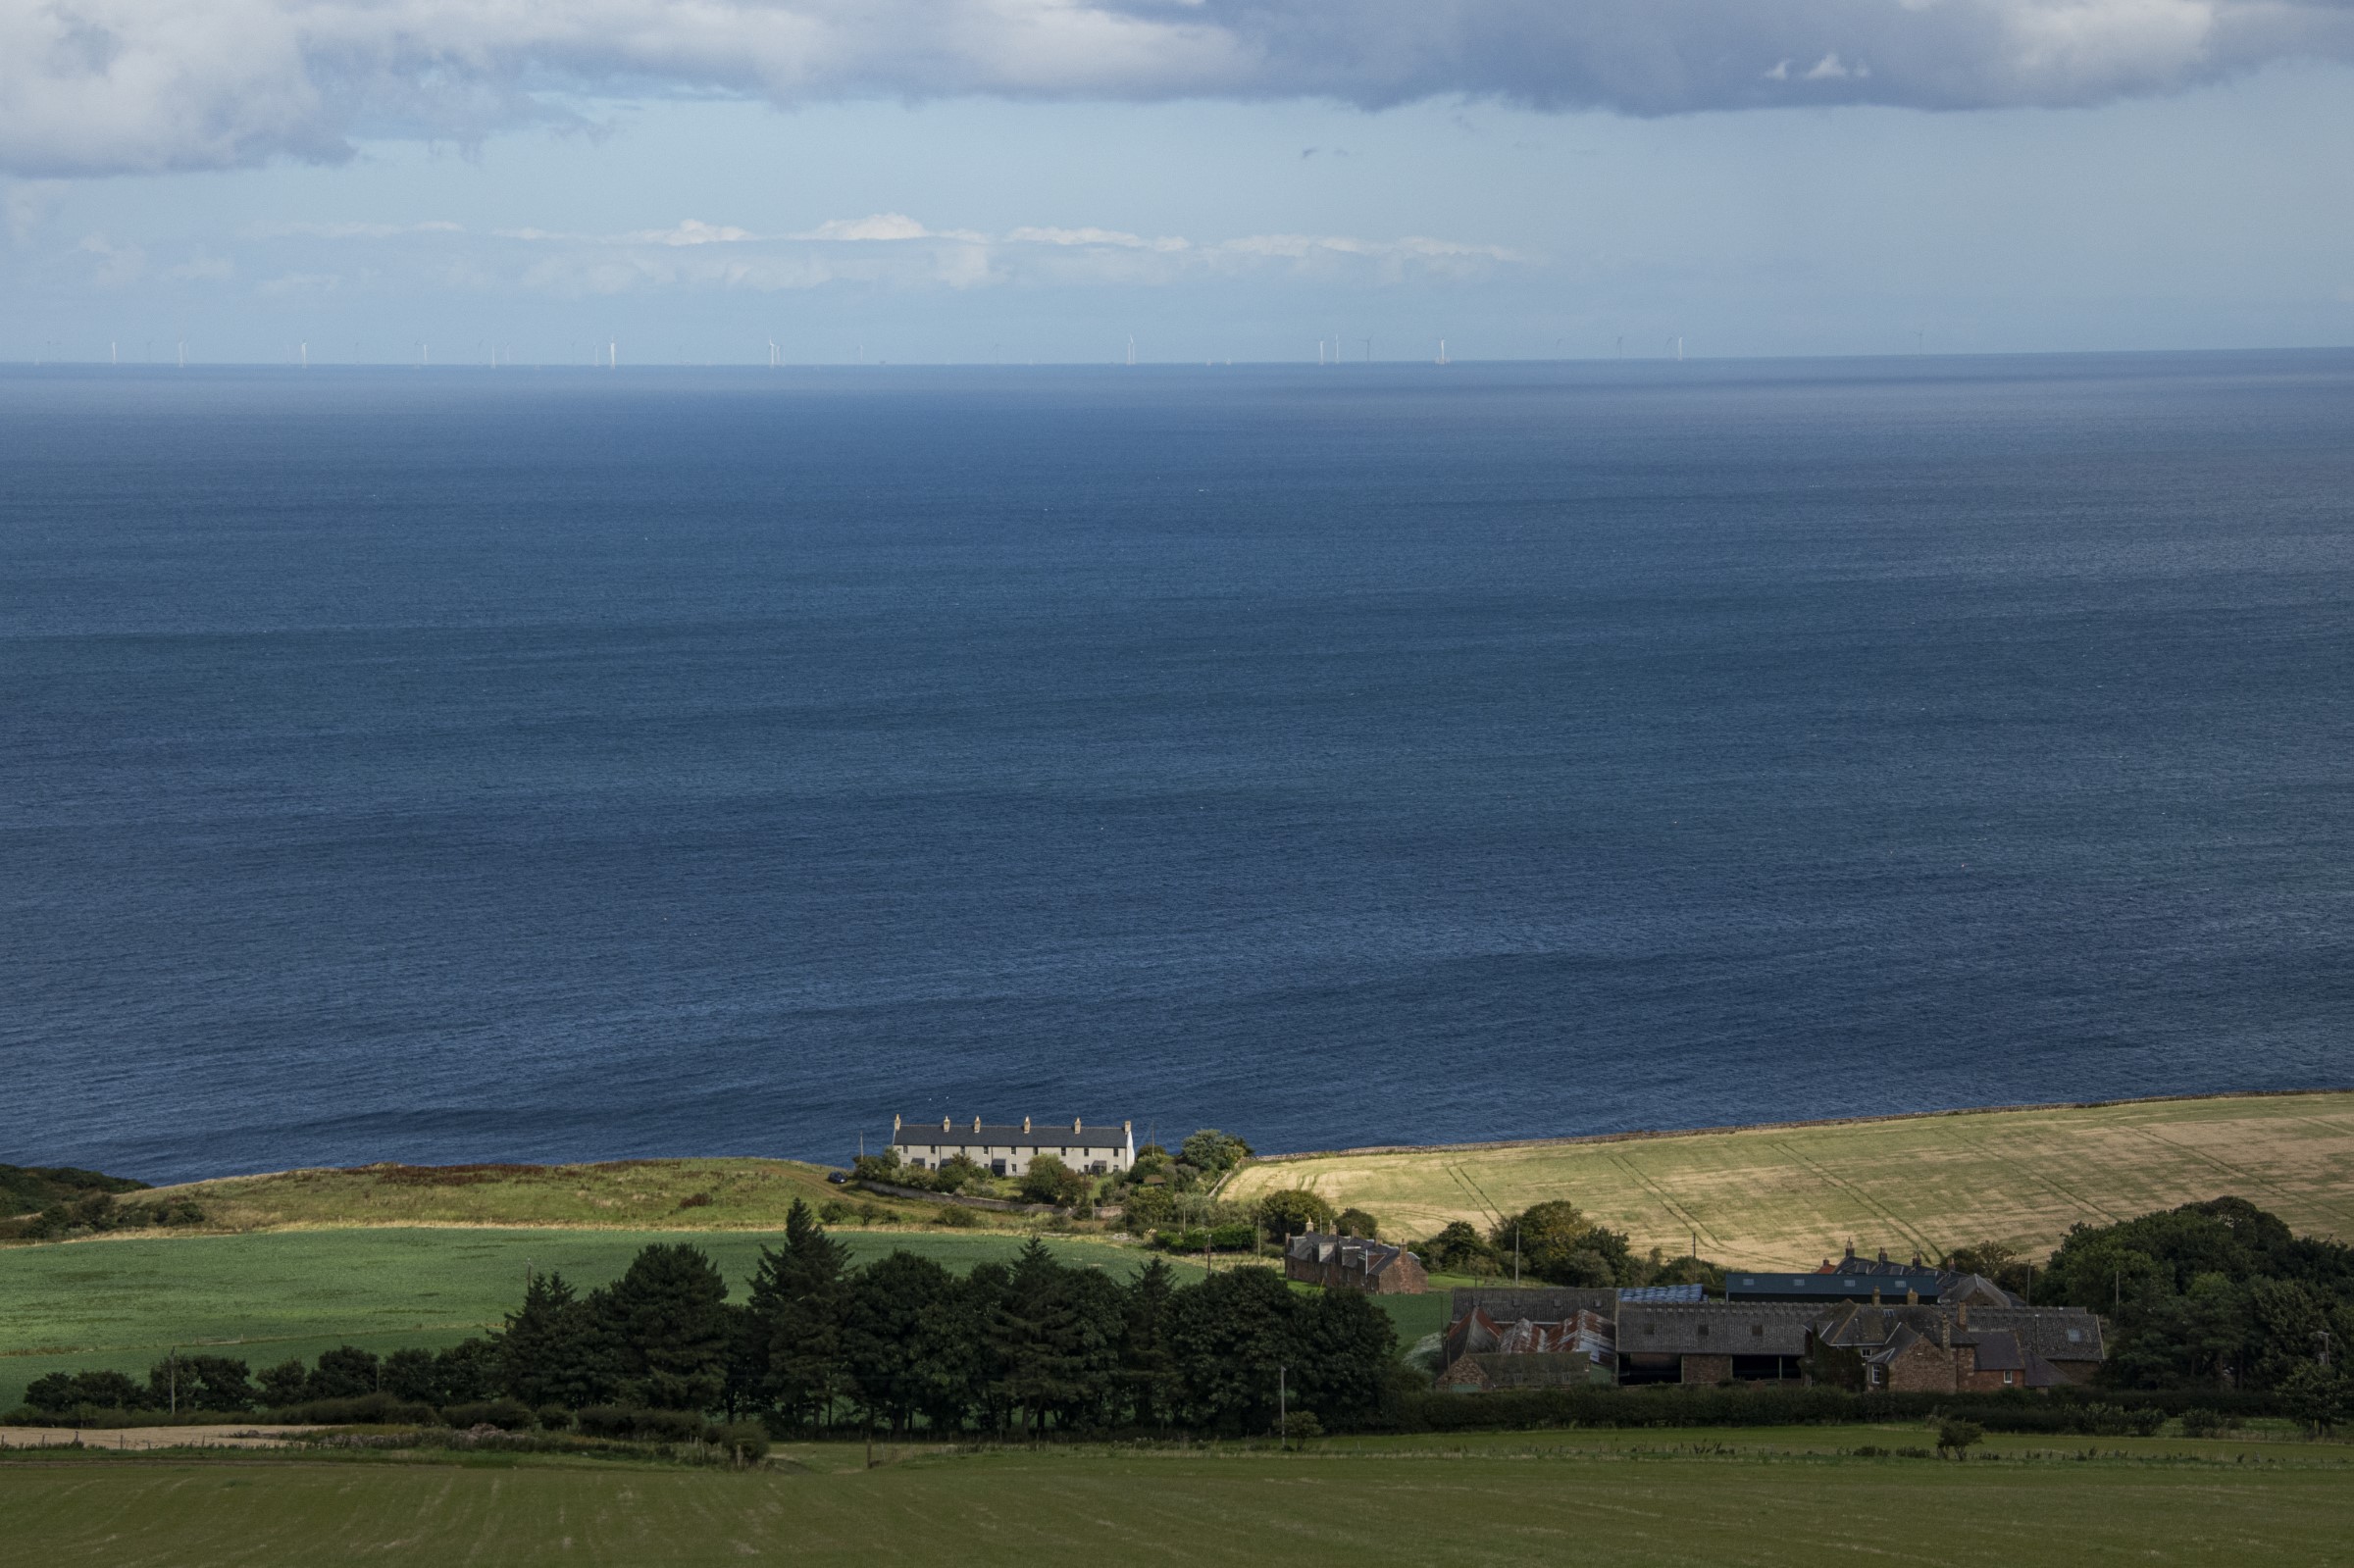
pixel 96 87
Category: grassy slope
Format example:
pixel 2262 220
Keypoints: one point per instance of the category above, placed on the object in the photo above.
pixel 1763 1197
pixel 1517 1504
pixel 120 1303
pixel 746 1195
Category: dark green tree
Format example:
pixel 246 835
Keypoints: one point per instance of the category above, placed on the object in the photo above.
pixel 202 1383
pixel 1228 1337
pixel 1293 1211
pixel 789 1355
pixel 468 1371
pixel 410 1374
pixel 282 1384
pixel 551 1352
pixel 1342 1350
pixel 1459 1249
pixel 1148 1367
pixel 903 1342
pixel 345 1373
pixel 1213 1151
pixel 665 1328
pixel 1357 1223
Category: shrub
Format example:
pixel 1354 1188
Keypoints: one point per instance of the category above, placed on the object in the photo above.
pixel 1234 1239
pixel 1299 1425
pixel 2201 1422
pixel 1050 1181
pixel 645 1426
pixel 833 1211
pixel 1149 1208
pixel 1953 1437
pixel 554 1418
pixel 508 1415
pixel 1357 1223
pixel 745 1439
pixel 955 1216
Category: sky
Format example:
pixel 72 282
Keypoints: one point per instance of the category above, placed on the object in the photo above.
pixel 544 181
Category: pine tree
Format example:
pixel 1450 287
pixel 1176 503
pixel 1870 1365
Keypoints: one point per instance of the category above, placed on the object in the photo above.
pixel 549 1354
pixel 789 1346
pixel 665 1326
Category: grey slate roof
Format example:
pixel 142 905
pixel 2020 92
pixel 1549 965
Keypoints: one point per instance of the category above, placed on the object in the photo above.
pixel 1508 1303
pixel 2056 1333
pixel 1716 1328
pixel 1047 1134
pixel 1349 1251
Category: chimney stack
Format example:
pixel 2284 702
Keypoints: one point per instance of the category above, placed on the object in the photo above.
pixel 944 1124
pixel 1075 1127
pixel 1912 1297
pixel 1966 1314
pixel 895 1124
pixel 976 1126
pixel 1025 1123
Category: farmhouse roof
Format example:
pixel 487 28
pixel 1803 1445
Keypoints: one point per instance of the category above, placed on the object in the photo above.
pixel 1349 1251
pixel 1715 1328
pixel 977 1134
pixel 1505 1303
pixel 2051 1333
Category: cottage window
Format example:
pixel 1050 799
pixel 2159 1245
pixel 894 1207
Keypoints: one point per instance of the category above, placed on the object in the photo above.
pixel 2006 1380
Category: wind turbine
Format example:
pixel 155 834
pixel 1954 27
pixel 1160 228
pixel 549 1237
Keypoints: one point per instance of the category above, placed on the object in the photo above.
pixel 112 358
pixel 1442 359
pixel 1132 348
pixel 306 353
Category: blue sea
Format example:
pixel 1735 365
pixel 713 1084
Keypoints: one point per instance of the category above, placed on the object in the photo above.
pixel 473 765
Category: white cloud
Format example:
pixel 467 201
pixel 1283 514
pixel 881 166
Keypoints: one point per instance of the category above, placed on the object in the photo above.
pixel 94 87
pixel 890 249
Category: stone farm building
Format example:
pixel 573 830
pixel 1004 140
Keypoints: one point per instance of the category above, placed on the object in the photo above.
pixel 1516 1338
pixel 1094 1148
pixel 1349 1263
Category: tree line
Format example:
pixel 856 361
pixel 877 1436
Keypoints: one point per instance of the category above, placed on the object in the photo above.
pixel 1023 1349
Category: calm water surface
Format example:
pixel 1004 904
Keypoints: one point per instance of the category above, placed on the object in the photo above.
pixel 480 765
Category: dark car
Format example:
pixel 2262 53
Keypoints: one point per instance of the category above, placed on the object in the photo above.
pixel 837 1178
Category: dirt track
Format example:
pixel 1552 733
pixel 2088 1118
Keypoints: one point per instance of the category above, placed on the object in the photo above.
pixel 140 1439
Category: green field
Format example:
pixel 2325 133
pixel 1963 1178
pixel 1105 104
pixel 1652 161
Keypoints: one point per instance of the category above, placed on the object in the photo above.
pixel 690 1194
pixel 122 1303
pixel 1792 1195
pixel 1769 1499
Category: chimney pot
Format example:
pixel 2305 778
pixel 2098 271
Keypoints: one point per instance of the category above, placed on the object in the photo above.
pixel 976 1126
pixel 1025 1123
pixel 1074 1123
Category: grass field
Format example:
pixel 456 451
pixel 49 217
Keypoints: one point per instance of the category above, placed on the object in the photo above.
pixel 693 1195
pixel 1767 1500
pixel 122 1303
pixel 1792 1195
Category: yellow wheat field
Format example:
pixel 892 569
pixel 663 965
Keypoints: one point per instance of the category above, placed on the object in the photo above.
pixel 1791 1195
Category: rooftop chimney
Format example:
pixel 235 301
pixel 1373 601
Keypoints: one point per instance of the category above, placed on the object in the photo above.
pixel 895 1120
pixel 1912 1297
pixel 1025 1123
pixel 1875 1295
pixel 944 1124
pixel 1966 1314
pixel 1075 1123
pixel 976 1124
